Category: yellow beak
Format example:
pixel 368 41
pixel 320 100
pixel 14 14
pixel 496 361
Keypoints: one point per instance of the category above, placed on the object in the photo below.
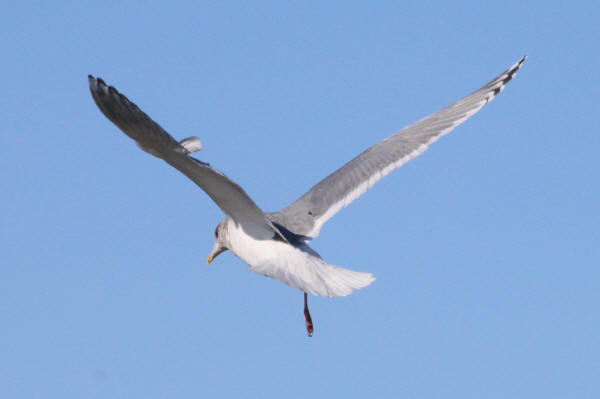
pixel 217 249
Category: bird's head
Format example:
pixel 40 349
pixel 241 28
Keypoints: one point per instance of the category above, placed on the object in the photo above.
pixel 220 241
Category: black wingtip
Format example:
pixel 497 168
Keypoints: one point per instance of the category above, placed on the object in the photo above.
pixel 512 71
pixel 93 81
pixel 522 60
pixel 519 63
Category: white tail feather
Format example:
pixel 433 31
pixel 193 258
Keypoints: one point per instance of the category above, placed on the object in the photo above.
pixel 314 276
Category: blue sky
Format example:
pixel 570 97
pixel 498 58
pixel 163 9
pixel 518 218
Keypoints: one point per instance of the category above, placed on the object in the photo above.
pixel 485 248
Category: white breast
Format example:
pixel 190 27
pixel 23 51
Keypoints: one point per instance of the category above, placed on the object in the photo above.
pixel 251 250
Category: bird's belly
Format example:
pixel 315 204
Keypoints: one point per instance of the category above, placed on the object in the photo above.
pixel 254 251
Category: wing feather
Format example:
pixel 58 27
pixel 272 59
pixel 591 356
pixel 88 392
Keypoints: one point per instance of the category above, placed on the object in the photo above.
pixel 152 138
pixel 307 214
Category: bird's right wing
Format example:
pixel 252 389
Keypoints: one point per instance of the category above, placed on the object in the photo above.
pixel 307 214
pixel 152 138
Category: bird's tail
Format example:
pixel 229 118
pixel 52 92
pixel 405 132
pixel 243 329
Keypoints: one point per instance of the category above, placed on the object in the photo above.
pixel 313 275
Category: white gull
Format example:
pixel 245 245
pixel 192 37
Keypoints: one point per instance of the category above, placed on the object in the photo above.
pixel 276 244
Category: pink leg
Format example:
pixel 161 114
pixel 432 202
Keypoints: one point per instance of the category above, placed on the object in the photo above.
pixel 309 324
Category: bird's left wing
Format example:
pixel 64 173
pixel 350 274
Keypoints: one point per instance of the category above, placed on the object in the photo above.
pixel 152 138
pixel 308 213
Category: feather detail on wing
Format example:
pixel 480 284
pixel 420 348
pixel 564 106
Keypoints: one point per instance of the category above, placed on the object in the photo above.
pixel 307 214
pixel 152 138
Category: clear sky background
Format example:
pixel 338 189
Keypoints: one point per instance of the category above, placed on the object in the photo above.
pixel 485 248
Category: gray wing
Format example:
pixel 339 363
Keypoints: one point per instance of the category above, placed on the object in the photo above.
pixel 306 216
pixel 152 138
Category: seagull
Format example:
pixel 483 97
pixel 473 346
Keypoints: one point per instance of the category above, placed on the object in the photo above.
pixel 275 244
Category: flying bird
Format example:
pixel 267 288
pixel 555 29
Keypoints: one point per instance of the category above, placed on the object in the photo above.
pixel 275 244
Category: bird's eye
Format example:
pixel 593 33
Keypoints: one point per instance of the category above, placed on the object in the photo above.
pixel 217 232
